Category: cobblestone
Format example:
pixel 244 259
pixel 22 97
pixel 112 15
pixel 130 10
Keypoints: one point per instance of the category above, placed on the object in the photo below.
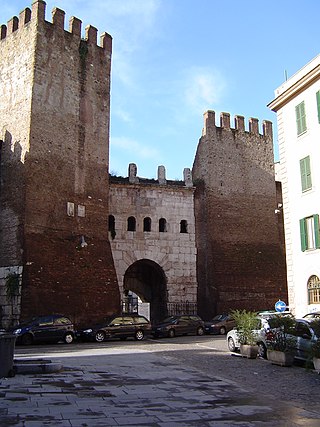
pixel 182 383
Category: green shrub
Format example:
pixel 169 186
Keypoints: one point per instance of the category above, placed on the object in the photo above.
pixel 246 323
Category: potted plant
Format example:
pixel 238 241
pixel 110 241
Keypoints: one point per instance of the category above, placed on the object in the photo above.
pixel 246 323
pixel 280 340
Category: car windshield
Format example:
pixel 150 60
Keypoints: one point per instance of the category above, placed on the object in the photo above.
pixel 170 319
pixel 32 321
pixel 219 317
pixel 312 316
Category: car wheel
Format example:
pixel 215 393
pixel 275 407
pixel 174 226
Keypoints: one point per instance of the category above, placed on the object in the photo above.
pixel 262 351
pixel 222 330
pixel 231 344
pixel 27 339
pixel 99 336
pixel 200 331
pixel 139 335
pixel 68 338
pixel 171 333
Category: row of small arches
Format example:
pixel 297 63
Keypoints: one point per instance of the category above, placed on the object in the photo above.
pixel 132 224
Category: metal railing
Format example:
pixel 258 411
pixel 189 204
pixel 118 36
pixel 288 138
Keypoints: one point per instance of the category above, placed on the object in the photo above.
pixel 176 308
pixel 129 305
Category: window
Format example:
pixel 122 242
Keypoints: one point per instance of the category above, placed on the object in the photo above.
pixel 46 321
pixel 111 224
pixel 131 223
pixel 301 118
pixel 162 225
pixel 183 226
pixel 62 321
pixel 314 290
pixel 309 233
pixel 302 330
pixel 116 321
pixel 305 173
pixel 147 224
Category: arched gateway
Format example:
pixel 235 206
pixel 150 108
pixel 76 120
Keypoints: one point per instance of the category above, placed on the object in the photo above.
pixel 147 280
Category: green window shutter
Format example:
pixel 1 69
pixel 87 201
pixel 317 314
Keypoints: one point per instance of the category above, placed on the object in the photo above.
pixel 318 104
pixel 308 172
pixel 303 235
pixel 301 118
pixel 316 230
pixel 305 173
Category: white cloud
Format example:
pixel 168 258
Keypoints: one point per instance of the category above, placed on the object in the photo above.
pixel 122 114
pixel 131 146
pixel 204 88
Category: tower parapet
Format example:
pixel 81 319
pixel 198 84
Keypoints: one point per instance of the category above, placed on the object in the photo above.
pixel 239 124
pixel 37 15
pixel 161 177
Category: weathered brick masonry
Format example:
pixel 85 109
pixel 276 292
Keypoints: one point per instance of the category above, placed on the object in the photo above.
pixel 223 243
pixel 55 113
pixel 241 262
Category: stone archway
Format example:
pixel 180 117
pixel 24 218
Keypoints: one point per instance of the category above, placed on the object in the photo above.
pixel 147 280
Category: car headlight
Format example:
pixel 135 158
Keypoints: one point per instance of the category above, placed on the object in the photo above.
pixel 17 331
pixel 87 331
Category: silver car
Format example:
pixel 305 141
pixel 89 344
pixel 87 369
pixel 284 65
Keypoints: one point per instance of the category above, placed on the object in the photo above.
pixel 234 344
pixel 263 316
pixel 306 333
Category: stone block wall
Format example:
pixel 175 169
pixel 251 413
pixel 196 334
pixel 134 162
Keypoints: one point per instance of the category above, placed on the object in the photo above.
pixel 174 252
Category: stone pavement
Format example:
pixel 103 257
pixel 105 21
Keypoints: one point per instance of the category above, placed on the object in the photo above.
pixel 136 388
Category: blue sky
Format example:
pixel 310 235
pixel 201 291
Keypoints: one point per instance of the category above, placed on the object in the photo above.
pixel 175 59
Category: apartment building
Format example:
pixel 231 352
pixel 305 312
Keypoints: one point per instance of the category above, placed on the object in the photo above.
pixel 297 104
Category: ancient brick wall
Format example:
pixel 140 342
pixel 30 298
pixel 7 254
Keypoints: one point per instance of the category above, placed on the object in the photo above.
pixel 241 262
pixel 65 126
pixel 16 76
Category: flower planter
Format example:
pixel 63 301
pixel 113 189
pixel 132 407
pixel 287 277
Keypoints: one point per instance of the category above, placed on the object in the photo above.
pixel 316 364
pixel 249 351
pixel 280 357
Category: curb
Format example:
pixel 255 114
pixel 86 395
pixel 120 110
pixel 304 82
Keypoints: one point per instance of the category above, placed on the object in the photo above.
pixel 36 366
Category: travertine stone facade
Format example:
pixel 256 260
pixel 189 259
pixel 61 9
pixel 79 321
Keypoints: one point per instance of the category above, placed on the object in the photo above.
pixel 241 260
pixel 172 250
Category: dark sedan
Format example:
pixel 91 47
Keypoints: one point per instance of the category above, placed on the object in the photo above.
pixel 49 328
pixel 127 326
pixel 179 325
pixel 220 324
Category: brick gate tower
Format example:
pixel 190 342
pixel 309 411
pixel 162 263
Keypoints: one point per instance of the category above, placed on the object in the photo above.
pixel 54 124
pixel 241 256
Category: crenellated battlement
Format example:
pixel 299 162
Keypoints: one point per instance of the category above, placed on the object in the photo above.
pixel 239 124
pixel 161 178
pixel 37 15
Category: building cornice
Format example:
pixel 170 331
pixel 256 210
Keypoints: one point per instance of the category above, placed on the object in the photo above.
pixel 295 89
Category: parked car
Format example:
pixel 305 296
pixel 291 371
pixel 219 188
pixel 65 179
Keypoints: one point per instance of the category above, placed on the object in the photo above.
pixel 220 324
pixel 49 328
pixel 264 318
pixel 127 326
pixel 311 316
pixel 306 333
pixel 179 325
